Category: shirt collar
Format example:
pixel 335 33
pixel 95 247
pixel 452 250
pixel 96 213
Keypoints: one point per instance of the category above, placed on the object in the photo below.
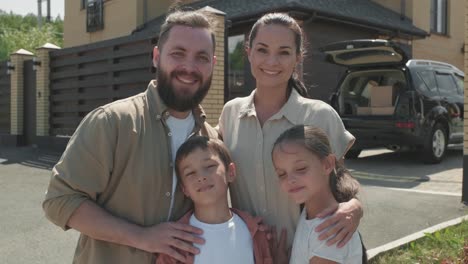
pixel 288 111
pixel 159 109
pixel 251 222
pixel 248 108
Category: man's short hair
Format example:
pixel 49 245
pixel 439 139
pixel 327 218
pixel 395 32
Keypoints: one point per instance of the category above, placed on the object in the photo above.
pixel 216 146
pixel 195 19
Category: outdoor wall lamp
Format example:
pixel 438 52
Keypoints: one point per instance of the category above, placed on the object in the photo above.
pixel 36 63
pixel 10 67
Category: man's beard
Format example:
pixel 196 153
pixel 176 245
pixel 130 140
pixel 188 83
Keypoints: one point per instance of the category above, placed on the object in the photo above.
pixel 181 103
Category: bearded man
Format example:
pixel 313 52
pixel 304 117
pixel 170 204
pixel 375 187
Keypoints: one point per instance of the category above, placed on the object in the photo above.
pixel 115 182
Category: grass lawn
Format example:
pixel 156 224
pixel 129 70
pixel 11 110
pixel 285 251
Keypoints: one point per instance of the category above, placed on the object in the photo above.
pixel 445 246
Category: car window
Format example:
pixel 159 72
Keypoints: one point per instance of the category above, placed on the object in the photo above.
pixel 446 85
pixel 426 82
pixel 460 83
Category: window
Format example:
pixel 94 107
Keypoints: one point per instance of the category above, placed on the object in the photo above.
pixel 446 85
pixel 83 4
pixel 94 15
pixel 236 81
pixel 439 16
pixel 426 82
pixel 460 83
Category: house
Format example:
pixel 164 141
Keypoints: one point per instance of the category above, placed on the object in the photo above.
pixel 426 29
pixel 443 19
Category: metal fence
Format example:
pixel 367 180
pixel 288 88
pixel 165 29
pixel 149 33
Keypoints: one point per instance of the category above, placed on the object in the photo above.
pixel 4 99
pixel 89 76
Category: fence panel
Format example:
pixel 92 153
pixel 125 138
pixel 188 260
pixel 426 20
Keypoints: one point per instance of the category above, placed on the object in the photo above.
pixel 86 77
pixel 5 88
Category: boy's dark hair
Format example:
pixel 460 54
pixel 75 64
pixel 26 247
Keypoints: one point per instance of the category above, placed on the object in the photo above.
pixel 200 142
pixel 343 186
pixel 196 19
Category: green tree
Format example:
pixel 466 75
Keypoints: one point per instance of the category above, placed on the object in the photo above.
pixel 22 32
pixel 236 57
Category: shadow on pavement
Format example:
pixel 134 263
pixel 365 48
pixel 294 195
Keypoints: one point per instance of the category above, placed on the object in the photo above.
pixel 29 156
pixel 402 169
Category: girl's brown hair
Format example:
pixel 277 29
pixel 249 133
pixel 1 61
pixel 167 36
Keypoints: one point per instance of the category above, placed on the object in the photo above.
pixel 343 186
pixel 288 22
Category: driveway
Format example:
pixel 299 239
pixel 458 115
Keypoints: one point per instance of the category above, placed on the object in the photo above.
pixel 400 196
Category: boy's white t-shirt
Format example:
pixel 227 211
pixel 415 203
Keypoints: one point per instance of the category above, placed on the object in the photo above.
pixel 307 245
pixel 227 243
pixel 180 130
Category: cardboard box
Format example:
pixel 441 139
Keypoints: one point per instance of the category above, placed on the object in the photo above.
pixel 381 96
pixel 389 110
pixel 363 111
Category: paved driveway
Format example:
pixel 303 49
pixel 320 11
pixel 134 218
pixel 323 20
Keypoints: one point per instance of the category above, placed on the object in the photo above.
pixel 400 196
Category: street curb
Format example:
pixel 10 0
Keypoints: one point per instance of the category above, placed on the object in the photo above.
pixel 407 239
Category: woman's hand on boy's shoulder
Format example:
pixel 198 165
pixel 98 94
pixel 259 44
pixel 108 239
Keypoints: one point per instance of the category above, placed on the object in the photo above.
pixel 343 222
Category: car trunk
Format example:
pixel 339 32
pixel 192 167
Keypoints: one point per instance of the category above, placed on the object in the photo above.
pixel 372 99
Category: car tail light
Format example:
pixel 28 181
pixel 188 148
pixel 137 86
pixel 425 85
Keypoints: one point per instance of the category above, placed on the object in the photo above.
pixel 405 124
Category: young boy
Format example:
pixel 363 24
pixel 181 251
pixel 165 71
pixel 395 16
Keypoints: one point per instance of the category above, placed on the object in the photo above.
pixel 204 169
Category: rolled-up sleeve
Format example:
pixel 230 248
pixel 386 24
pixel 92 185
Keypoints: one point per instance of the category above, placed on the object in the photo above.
pixel 340 139
pixel 84 169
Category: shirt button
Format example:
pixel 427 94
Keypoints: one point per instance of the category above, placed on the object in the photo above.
pixel 169 134
pixel 168 194
pixel 158 116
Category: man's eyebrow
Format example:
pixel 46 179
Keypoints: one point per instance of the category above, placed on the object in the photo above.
pixel 178 48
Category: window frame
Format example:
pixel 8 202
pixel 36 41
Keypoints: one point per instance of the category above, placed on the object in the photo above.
pixel 435 16
pixel 84 3
pixel 445 91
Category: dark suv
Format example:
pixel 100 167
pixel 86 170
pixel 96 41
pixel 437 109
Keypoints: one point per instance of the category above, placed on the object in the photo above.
pixel 388 101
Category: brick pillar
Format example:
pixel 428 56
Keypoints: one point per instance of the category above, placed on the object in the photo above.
pixel 43 89
pixel 214 101
pixel 17 90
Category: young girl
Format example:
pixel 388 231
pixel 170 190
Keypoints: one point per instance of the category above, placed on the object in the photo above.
pixel 308 172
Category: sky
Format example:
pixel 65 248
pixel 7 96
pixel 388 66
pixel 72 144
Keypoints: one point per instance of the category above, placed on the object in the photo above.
pixel 24 7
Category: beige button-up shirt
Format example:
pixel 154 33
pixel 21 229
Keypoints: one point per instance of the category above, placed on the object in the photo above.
pixel 256 188
pixel 120 158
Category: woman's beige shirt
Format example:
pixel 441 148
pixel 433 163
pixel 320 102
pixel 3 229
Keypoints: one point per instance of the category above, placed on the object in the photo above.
pixel 256 187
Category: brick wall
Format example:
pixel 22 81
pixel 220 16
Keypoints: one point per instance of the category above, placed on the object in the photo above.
pixel 42 90
pixel 17 91
pixel 214 101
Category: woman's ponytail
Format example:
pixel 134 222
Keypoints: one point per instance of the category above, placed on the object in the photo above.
pixel 298 85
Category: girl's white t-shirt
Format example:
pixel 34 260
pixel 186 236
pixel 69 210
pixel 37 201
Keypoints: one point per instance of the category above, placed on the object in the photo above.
pixel 307 245
pixel 228 243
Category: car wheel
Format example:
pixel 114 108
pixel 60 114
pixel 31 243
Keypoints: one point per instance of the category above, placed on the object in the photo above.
pixel 436 145
pixel 353 153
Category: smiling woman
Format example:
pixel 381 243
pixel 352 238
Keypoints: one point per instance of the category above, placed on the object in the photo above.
pixel 250 125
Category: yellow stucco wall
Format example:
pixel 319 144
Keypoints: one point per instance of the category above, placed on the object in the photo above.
pixel 440 47
pixel 120 19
